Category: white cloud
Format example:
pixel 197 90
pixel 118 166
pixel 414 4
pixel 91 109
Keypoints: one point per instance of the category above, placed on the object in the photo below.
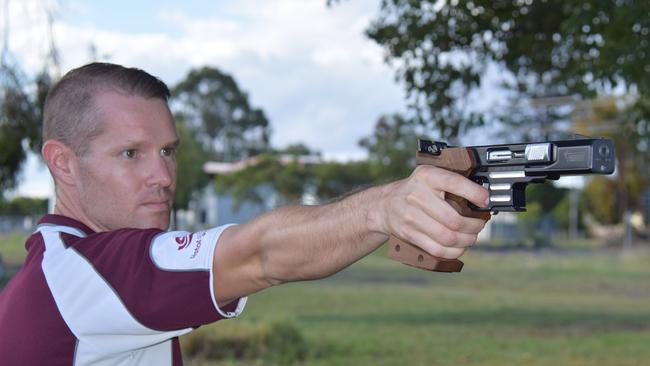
pixel 327 56
pixel 309 67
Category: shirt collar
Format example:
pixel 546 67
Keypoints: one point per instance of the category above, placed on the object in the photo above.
pixel 65 221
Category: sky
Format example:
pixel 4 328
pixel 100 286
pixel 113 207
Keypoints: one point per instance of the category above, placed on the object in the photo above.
pixel 319 80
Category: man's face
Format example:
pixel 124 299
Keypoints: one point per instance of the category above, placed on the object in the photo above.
pixel 128 176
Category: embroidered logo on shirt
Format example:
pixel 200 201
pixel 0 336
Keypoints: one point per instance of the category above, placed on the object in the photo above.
pixel 198 244
pixel 183 241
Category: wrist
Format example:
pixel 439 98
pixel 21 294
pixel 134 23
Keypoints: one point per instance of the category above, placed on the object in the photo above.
pixel 376 208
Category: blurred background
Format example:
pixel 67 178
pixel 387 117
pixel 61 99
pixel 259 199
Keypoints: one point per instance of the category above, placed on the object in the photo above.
pixel 288 101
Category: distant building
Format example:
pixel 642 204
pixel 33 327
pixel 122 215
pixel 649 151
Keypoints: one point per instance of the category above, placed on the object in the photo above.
pixel 212 209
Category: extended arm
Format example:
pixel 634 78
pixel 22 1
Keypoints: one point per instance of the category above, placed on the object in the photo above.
pixel 309 242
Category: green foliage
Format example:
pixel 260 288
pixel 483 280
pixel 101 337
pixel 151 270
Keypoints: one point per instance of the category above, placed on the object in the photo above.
pixel 212 103
pixel 529 220
pixel 23 206
pixel 562 211
pixel 391 148
pixel 190 157
pixel 265 171
pixel 12 254
pixel 542 207
pixel 276 343
pixel 547 195
pixel 443 48
pixel 216 122
pixel 336 179
pixel 614 118
pixel 298 149
pixel 599 199
pixel 21 104
pixel 391 154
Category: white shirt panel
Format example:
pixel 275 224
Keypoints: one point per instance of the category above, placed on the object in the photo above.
pixel 108 334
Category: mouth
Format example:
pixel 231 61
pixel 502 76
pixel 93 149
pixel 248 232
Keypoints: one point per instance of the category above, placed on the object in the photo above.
pixel 157 205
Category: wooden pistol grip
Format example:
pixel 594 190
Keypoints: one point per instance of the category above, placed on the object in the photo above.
pixel 411 255
pixel 459 160
pixel 462 207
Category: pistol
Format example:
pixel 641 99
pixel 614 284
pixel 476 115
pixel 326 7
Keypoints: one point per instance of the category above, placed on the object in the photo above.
pixel 505 170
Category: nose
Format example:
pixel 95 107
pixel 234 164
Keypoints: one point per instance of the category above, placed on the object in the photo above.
pixel 161 172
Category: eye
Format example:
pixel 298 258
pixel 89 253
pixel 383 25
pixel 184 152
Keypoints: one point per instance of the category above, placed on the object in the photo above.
pixel 130 153
pixel 167 151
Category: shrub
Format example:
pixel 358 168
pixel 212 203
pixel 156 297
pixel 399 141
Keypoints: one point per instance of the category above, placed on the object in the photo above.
pixel 276 343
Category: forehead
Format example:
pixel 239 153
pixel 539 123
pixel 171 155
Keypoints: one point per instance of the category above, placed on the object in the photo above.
pixel 127 117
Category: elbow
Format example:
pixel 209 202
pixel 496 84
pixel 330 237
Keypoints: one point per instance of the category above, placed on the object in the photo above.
pixel 277 271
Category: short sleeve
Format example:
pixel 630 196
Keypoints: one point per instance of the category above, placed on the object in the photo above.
pixel 185 251
pixel 163 279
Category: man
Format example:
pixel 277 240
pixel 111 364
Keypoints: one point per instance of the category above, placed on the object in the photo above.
pixel 104 283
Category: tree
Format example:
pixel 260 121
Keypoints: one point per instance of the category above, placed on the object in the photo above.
pixel 22 99
pixel 211 102
pixel 20 119
pixel 541 200
pixel 335 179
pixel 290 176
pixel 288 180
pixel 190 157
pixel 23 206
pixel 442 50
pixel 391 155
pixel 599 201
pixel 391 147
pixel 615 118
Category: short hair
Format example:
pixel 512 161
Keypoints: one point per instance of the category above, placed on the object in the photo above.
pixel 70 114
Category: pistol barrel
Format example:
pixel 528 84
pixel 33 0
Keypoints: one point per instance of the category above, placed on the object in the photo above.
pixel 566 157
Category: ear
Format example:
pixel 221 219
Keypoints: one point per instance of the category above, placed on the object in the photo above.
pixel 61 161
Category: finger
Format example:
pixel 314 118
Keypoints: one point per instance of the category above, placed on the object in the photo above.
pixel 441 211
pixel 457 184
pixel 444 236
pixel 432 247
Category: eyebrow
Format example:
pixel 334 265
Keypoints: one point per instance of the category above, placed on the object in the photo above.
pixel 175 143
pixel 139 143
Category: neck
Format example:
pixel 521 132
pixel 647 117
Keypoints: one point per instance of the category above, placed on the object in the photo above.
pixel 65 207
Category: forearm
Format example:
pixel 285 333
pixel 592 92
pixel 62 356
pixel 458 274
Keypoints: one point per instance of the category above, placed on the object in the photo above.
pixel 296 243
pixel 310 242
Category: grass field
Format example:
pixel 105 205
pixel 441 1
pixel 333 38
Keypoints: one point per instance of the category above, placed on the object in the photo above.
pixel 552 308
pixel 557 307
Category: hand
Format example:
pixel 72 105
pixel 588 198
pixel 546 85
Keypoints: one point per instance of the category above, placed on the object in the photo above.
pixel 415 210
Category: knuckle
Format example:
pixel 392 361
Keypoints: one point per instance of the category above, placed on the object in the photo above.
pixel 481 195
pixel 448 238
pixel 408 219
pixel 450 179
pixel 412 198
pixel 408 236
pixel 454 221
pixel 419 173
